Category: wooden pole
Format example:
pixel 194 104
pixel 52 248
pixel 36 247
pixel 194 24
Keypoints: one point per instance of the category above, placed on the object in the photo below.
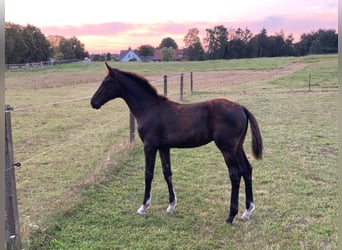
pixel 181 87
pixel 2 134
pixel 12 214
pixel 165 85
pixel 309 81
pixel 2 181
pixel 131 128
pixel 191 82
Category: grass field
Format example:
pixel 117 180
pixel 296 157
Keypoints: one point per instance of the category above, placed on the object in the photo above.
pixel 81 182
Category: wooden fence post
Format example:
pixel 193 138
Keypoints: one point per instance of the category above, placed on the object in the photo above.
pixel 309 81
pixel 165 85
pixel 181 87
pixel 191 82
pixel 131 128
pixel 12 214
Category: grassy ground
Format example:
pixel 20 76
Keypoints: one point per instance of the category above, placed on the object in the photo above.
pixel 80 186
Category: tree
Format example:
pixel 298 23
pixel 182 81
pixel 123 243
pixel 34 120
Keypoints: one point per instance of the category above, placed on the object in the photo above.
pixel 316 47
pixel 25 44
pixel 54 46
pixel 145 51
pixel 321 41
pixel 290 46
pixel 38 45
pixel 168 42
pixel 167 54
pixel 78 48
pixel 328 40
pixel 108 57
pixel 194 50
pixel 191 37
pixel 237 42
pixel 67 48
pixel 15 46
pixel 259 45
pixel 216 42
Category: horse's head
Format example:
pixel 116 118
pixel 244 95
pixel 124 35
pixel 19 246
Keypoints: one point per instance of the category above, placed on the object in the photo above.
pixel 108 90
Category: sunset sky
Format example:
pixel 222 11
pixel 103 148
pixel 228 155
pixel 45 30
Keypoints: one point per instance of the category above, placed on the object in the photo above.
pixel 111 26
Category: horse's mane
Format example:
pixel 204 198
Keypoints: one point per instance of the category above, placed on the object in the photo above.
pixel 143 82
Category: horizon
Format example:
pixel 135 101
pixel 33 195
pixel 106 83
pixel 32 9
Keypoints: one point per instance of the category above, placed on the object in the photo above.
pixel 110 27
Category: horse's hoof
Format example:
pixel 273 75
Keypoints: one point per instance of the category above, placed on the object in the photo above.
pixel 172 206
pixel 229 220
pixel 246 215
pixel 142 209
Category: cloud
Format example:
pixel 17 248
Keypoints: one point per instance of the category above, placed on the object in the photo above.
pixel 297 25
pixel 88 29
pixel 116 36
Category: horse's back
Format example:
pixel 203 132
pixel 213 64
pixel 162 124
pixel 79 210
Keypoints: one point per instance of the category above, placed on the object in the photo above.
pixel 173 124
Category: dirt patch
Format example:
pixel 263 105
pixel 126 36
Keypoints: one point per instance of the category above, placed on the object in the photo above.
pixel 49 80
pixel 241 76
pixel 56 79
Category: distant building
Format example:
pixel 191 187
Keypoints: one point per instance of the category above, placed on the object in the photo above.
pixel 131 55
pixel 177 56
pixel 128 55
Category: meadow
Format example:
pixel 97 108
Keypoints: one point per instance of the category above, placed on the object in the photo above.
pixel 81 181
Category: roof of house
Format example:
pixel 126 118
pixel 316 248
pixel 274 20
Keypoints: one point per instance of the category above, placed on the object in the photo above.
pixel 127 55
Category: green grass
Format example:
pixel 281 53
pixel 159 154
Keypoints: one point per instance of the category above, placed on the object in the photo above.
pixel 321 72
pixel 295 192
pixel 254 63
pixel 80 186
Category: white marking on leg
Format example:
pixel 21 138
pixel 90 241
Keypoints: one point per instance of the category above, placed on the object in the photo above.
pixel 171 208
pixel 142 209
pixel 245 216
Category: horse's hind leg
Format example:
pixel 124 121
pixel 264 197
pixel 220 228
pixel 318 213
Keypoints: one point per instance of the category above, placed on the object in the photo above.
pixel 247 176
pixel 150 158
pixel 235 178
pixel 166 163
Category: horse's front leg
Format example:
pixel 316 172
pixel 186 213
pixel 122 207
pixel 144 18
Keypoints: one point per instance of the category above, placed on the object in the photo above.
pixel 150 158
pixel 166 163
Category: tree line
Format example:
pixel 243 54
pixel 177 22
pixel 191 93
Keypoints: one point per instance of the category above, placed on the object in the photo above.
pixel 25 44
pixel 221 43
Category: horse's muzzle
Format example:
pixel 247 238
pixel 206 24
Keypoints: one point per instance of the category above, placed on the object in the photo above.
pixel 95 105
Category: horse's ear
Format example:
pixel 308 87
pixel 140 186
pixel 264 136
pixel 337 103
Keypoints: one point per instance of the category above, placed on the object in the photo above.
pixel 108 67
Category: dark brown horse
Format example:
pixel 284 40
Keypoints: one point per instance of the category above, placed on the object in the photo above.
pixel 165 124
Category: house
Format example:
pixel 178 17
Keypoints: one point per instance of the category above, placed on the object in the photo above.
pixel 157 55
pixel 128 55
pixel 177 56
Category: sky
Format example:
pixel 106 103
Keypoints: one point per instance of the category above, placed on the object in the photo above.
pixel 110 26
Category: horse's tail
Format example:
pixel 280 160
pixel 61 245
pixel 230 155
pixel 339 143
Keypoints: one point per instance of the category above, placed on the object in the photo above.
pixel 256 135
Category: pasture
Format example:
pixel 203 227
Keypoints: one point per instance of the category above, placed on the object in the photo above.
pixel 81 182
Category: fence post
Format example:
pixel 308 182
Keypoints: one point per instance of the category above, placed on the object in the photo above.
pixel 181 87
pixel 12 214
pixel 191 82
pixel 309 81
pixel 131 128
pixel 165 85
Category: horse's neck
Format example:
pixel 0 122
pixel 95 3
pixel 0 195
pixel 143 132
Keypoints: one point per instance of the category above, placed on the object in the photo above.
pixel 138 99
